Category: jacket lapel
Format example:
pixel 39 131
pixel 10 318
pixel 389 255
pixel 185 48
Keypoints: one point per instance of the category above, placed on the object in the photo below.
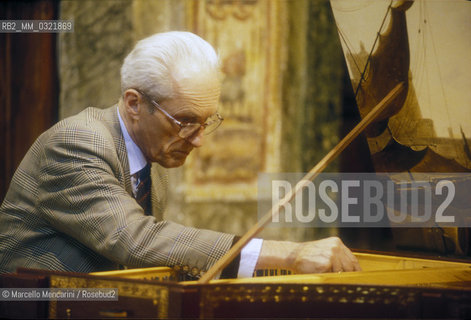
pixel 159 174
pixel 159 190
pixel 111 117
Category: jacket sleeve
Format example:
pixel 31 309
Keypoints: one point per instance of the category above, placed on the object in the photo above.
pixel 82 194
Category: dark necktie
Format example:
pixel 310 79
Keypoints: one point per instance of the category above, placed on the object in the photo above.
pixel 143 182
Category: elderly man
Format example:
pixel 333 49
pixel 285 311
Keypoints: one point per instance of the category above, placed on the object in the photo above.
pixel 82 198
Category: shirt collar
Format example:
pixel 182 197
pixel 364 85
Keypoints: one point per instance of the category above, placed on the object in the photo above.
pixel 136 158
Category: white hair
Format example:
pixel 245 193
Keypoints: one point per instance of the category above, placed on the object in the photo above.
pixel 158 62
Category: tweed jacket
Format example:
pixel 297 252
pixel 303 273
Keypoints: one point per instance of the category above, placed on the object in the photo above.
pixel 70 207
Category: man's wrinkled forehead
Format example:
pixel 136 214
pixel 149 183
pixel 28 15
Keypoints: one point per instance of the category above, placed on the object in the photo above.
pixel 201 92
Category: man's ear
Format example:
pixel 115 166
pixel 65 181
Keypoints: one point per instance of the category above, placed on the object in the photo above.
pixel 132 103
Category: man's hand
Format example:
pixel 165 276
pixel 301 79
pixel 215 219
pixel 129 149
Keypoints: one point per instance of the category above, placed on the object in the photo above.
pixel 326 255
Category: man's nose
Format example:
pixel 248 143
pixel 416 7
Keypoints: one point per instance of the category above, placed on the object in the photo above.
pixel 197 139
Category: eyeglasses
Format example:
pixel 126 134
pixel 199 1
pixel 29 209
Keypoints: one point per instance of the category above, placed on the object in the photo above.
pixel 188 129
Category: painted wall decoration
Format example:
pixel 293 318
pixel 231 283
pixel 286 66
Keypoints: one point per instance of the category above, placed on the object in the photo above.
pixel 246 36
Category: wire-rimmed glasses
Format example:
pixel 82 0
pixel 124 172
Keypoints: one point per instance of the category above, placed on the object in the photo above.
pixel 188 129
